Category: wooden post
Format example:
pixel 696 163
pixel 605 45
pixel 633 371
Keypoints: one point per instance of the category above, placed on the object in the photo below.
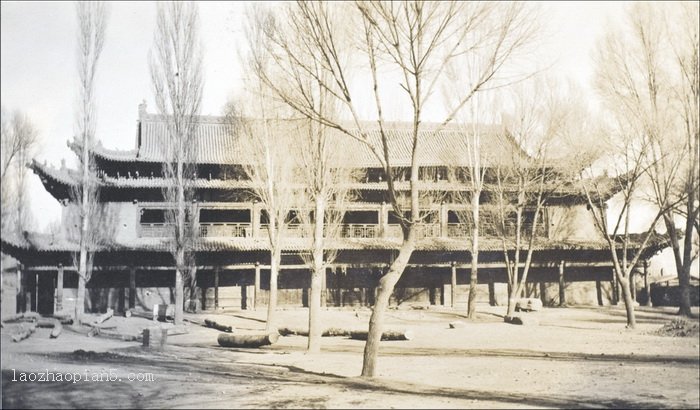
pixel 36 292
pixel 599 292
pixel 132 287
pixel 216 287
pixel 543 293
pixel 453 286
pixel 492 291
pixel 384 220
pixel 22 280
pixel 646 282
pixel 59 288
pixel 562 291
pixel 256 290
pixel 613 284
pixel 443 219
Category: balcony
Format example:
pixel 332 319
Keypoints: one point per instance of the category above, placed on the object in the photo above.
pixel 357 231
pixel 360 231
pixel 225 230
pixel 156 230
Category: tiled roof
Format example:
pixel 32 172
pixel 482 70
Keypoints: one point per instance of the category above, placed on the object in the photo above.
pixel 219 144
pixel 49 243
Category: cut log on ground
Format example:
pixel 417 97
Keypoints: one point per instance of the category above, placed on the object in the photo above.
pixel 330 332
pixel 51 323
pixel 22 317
pixel 229 340
pixel 64 319
pixel 104 317
pixel 290 331
pixel 388 335
pixel 212 324
pixel 141 314
pixel 24 332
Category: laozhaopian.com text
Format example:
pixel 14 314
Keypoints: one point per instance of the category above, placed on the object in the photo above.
pixel 80 377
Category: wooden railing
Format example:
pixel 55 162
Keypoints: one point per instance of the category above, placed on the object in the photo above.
pixel 156 230
pixel 225 230
pixel 360 231
pixel 432 230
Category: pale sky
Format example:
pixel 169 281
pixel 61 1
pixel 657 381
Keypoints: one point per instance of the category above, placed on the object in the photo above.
pixel 39 75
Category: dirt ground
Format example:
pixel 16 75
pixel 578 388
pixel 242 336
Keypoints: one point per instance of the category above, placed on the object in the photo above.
pixel 574 358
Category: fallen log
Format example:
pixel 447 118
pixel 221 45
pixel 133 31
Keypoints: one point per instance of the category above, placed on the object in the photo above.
pixel 335 331
pixel 212 324
pixel 330 332
pixel 24 333
pixel 64 320
pixel 288 331
pixel 141 314
pixel 22 317
pixel 103 317
pixel 388 335
pixel 52 323
pixel 230 340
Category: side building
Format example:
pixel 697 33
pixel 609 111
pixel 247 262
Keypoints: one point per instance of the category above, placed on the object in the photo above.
pixel 135 270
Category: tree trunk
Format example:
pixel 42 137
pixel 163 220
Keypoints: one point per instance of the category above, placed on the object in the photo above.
pixel 512 290
pixel 314 340
pixel 272 304
pixel 179 287
pixel 384 291
pixel 471 303
pixel 80 297
pixel 629 307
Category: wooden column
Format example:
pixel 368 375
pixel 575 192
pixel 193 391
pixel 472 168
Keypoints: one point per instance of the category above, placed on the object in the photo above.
pixel 543 293
pixel 453 286
pixel 599 292
pixel 21 295
pixel 384 220
pixel 443 219
pixel 615 286
pixel 216 287
pixel 492 291
pixel 562 291
pixel 256 290
pixel 132 287
pixel 35 303
pixel 59 288
pixel 646 282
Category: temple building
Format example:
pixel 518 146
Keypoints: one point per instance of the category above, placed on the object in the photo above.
pixel 571 260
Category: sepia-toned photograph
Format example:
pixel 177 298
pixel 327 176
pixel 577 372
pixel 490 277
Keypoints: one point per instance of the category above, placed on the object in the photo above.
pixel 350 204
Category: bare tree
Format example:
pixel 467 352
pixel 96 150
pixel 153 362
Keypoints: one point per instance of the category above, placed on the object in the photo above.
pixel 405 42
pixel 19 141
pixel 176 74
pixel 92 23
pixel 686 47
pixel 648 74
pixel 267 142
pixel 528 177
pixel 474 128
pixel 325 181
